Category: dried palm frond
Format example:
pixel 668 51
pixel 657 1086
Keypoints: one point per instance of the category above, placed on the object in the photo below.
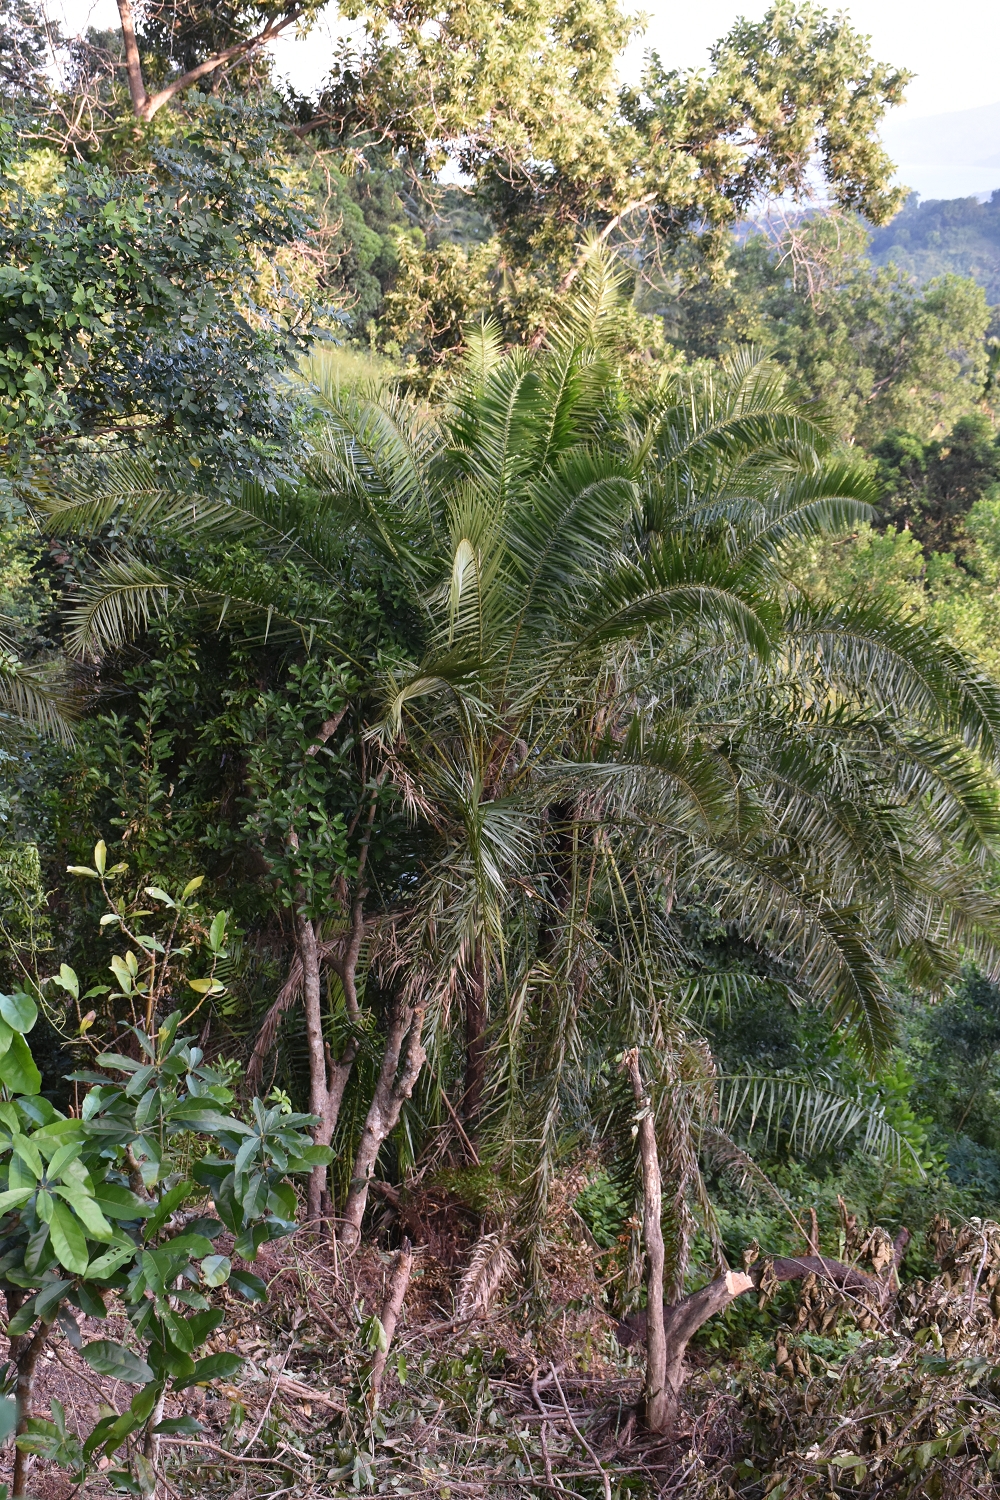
pixel 491 1267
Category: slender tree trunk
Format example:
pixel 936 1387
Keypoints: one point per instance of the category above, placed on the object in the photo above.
pixel 402 1060
pixel 389 1312
pixel 475 1043
pixel 133 63
pixel 150 1441
pixel 658 1403
pixel 682 1320
pixel 24 1352
pixel 311 988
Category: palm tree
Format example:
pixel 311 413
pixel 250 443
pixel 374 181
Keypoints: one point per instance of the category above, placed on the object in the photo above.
pixel 621 709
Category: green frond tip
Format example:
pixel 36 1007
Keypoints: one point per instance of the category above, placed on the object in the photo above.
pixel 34 700
pixel 809 1118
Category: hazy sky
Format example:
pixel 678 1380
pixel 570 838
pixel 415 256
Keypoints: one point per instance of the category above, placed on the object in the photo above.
pixel 953 48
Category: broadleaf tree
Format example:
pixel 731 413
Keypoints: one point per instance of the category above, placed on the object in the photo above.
pixel 88 1205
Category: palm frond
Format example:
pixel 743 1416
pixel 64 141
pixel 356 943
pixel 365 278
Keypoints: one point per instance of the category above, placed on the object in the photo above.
pixel 809 1118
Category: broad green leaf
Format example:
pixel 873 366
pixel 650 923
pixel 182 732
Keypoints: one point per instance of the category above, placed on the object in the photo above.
pixel 249 1286
pixel 118 1062
pixel 167 1359
pixel 23 1319
pixel 39 1253
pixel 82 870
pixel 100 856
pixel 159 895
pixel 145 1473
pixel 204 1323
pixel 206 986
pixel 13 1198
pixel 101 1431
pixel 178 1330
pixel 171 1199
pixel 88 1299
pixel 192 886
pixel 196 1117
pixel 117 1202
pixel 122 973
pixel 108 1358
pixel 107 1264
pixel 217 931
pixel 49 1298
pixel 144 1401
pixel 313 1156
pixel 186 1426
pixel 19 1011
pixel 194 1245
pixel 68 1239
pixel 214 1367
pixel 27 1151
pixel 8 1417
pixel 63 1159
pixel 17 1068
pixel 87 1212
pixel 215 1269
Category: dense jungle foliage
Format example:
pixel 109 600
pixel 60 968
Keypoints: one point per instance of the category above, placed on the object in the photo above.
pixel 500 690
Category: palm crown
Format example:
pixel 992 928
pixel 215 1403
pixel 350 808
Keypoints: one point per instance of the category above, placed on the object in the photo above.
pixel 620 709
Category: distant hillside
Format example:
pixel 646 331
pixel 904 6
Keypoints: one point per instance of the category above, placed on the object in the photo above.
pixel 952 234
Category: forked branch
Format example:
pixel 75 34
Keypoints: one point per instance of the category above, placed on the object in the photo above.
pixel 144 105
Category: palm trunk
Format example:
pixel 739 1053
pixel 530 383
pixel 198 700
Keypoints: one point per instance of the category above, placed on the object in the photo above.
pixel 399 1072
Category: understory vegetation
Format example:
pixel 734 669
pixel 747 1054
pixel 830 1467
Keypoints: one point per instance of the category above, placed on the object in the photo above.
pixel 499 804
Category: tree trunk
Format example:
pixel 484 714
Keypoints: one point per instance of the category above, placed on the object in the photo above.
pixel 475 1043
pixel 151 1442
pixel 133 63
pixel 395 1085
pixel 312 993
pixel 389 1312
pixel 24 1352
pixel 658 1403
pixel 681 1321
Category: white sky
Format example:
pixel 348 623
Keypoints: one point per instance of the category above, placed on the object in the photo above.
pixel 953 49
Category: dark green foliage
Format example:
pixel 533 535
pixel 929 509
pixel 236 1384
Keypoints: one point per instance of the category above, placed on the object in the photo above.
pixel 955 1047
pixel 131 305
pixel 363 217
pixel 176 35
pixel 931 487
